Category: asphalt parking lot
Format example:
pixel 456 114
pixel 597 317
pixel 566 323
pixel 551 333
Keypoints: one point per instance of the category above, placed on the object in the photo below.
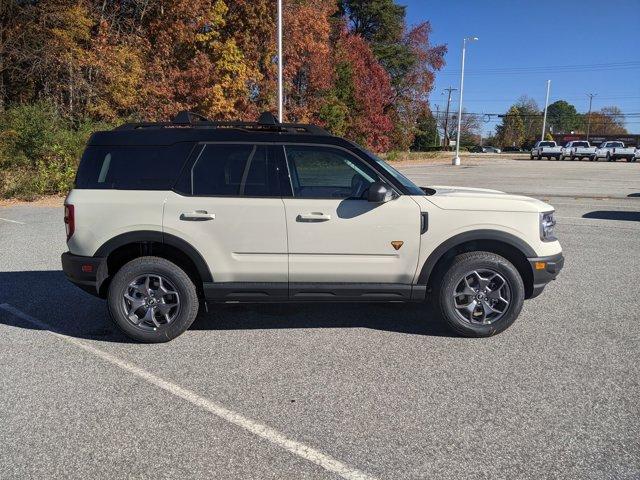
pixel 337 391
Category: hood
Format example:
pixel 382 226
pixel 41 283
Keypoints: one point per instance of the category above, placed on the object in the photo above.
pixel 482 199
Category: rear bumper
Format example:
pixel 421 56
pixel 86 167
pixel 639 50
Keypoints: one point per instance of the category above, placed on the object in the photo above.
pixel 88 273
pixel 624 156
pixel 545 269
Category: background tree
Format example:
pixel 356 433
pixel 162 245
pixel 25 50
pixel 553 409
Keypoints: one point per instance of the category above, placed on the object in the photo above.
pixel 426 132
pixel 531 119
pixel 608 121
pixel 470 127
pixel 510 133
pixel 562 117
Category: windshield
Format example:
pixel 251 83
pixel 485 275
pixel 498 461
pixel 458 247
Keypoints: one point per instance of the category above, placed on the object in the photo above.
pixel 547 144
pixel 412 188
pixel 580 144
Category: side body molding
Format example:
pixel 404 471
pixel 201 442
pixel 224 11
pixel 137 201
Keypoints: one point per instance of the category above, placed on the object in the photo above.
pixel 160 237
pixel 464 237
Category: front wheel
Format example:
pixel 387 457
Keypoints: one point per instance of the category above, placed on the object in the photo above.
pixel 480 294
pixel 152 300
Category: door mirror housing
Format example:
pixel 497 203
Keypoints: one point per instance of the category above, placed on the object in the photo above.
pixel 380 192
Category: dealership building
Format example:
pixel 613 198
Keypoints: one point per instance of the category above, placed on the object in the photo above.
pixel 628 139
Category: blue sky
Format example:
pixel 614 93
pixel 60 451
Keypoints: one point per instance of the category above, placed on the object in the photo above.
pixel 525 34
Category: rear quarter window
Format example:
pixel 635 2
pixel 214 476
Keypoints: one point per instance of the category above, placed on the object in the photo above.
pixel 132 167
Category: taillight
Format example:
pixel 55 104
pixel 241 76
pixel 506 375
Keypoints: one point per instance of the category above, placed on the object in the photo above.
pixel 69 220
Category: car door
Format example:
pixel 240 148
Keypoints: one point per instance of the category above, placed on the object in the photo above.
pixel 336 237
pixel 228 207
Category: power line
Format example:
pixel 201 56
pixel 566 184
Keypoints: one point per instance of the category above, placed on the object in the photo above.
pixel 598 67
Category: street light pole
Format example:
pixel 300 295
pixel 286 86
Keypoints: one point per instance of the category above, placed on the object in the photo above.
pixel 435 134
pixel 590 95
pixel 546 105
pixel 280 91
pixel 456 160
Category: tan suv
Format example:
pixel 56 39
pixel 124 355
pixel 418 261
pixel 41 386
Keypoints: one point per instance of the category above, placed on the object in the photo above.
pixel 167 216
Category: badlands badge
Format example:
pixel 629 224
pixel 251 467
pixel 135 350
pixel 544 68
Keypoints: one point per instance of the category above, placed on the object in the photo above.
pixel 397 244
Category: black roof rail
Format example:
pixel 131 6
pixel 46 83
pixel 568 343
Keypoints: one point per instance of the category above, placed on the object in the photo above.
pixel 266 123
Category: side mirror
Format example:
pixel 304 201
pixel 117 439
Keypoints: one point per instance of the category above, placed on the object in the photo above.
pixel 379 192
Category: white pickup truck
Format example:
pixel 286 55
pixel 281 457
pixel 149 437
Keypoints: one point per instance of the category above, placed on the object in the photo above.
pixel 547 149
pixel 578 149
pixel 612 151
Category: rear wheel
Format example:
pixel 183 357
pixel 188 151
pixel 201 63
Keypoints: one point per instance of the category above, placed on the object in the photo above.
pixel 480 294
pixel 152 300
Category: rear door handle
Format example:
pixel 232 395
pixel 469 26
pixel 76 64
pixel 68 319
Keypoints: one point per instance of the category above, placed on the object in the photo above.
pixel 197 216
pixel 313 217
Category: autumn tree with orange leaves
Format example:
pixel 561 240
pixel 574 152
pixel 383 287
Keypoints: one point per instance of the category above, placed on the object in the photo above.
pixel 352 66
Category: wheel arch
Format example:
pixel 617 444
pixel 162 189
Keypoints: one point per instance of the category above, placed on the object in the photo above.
pixel 123 248
pixel 501 243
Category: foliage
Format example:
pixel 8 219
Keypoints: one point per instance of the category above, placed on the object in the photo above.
pixel 353 66
pixel 608 121
pixel 39 150
pixel 510 133
pixel 426 132
pixel 470 127
pixel 562 117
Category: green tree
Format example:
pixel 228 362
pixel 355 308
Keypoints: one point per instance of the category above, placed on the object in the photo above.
pixel 426 132
pixel 381 23
pixel 562 117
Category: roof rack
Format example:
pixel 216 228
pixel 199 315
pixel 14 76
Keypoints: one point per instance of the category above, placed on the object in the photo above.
pixel 266 123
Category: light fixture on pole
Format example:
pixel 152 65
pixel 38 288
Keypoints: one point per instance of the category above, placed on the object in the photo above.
pixel 456 160
pixel 280 91
pixel 546 105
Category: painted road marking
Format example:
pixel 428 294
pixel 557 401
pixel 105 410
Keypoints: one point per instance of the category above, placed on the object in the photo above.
pixel 12 221
pixel 267 433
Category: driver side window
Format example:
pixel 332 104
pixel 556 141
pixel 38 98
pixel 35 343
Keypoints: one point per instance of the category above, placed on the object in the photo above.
pixel 325 172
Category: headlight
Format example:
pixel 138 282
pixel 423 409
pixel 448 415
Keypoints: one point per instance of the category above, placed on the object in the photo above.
pixel 547 225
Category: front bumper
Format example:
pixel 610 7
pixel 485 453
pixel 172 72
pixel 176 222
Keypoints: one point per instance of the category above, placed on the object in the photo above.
pixel 88 273
pixel 545 269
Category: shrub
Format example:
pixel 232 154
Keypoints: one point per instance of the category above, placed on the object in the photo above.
pixel 39 150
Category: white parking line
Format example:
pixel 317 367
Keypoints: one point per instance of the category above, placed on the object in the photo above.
pixel 12 221
pixel 292 446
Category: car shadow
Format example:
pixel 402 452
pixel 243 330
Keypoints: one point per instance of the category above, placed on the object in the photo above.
pixel 633 195
pixel 613 215
pixel 50 298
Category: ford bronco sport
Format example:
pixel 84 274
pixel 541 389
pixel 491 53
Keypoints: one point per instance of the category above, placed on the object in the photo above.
pixel 167 217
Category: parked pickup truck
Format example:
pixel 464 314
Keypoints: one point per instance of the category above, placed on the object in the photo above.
pixel 547 149
pixel 612 151
pixel 578 149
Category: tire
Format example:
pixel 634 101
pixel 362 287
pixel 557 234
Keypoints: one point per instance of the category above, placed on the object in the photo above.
pixel 608 157
pixel 465 266
pixel 175 300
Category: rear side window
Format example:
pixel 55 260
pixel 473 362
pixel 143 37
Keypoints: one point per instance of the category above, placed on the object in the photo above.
pixel 132 167
pixel 235 170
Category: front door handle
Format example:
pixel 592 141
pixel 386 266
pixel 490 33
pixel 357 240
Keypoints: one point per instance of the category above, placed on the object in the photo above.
pixel 313 217
pixel 197 216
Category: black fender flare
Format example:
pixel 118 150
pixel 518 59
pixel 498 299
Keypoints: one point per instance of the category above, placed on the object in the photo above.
pixel 464 237
pixel 159 237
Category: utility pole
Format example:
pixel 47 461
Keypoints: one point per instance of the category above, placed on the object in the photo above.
pixel 446 118
pixel 280 92
pixel 456 159
pixel 590 95
pixel 546 105
pixel 435 133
